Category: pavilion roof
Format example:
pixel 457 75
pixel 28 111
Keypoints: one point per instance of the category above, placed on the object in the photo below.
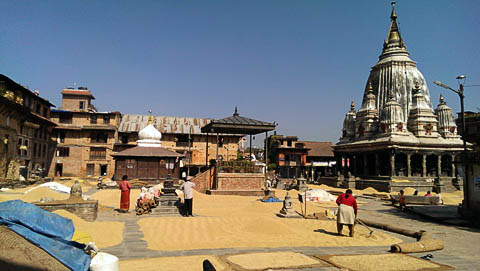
pixel 237 124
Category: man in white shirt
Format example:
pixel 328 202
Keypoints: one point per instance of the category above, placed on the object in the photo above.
pixel 187 188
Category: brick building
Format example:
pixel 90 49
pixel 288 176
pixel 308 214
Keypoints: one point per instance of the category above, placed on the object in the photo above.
pixel 84 137
pixel 183 135
pixel 320 159
pixel 25 129
pixel 289 154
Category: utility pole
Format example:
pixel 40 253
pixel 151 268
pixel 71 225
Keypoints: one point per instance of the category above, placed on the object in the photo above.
pixel 466 187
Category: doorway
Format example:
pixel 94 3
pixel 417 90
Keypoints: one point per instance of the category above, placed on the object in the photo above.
pixel 90 169
pixel 103 170
pixel 58 169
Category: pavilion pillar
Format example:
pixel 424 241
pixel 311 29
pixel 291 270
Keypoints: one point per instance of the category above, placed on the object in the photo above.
pixel 424 165
pixel 409 165
pixel 250 147
pixel 439 166
pixel 355 167
pixel 265 147
pixel 377 165
pixel 206 154
pixel 453 166
pixel 392 164
pixel 218 139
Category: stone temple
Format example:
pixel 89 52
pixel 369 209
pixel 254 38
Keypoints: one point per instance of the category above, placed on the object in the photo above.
pixel 397 139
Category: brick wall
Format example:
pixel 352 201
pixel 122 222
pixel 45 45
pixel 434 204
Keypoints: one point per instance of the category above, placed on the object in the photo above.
pixel 203 181
pixel 72 103
pixel 240 181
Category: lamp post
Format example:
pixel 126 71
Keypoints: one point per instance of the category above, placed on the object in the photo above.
pixel 461 81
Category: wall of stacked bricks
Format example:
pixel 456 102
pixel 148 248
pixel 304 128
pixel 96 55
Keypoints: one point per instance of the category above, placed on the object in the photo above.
pixel 79 142
pixel 72 103
pixel 240 181
pixel 204 180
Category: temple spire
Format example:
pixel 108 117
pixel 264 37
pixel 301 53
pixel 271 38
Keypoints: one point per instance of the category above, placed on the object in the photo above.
pixel 394 39
pixel 150 120
pixel 236 112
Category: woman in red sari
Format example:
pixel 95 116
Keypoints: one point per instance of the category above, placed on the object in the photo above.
pixel 124 186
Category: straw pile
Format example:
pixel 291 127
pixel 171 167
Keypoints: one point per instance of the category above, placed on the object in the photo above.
pixel 191 263
pixel 271 260
pixel 104 234
pixel 385 262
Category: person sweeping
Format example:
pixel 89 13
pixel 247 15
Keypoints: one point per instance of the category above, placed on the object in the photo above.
pixel 347 212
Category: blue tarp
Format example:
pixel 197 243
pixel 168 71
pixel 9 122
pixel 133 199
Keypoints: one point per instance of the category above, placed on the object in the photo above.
pixel 271 200
pixel 49 231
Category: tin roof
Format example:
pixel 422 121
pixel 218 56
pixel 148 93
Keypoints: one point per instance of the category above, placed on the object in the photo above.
pixel 139 151
pixel 318 149
pixel 164 124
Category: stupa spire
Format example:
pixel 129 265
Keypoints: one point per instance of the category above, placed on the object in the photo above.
pixel 150 120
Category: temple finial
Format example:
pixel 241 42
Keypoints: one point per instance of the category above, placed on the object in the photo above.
pixel 416 88
pixel 236 112
pixel 352 106
pixel 390 95
pixel 441 99
pixel 393 16
pixel 370 88
pixel 394 36
pixel 150 120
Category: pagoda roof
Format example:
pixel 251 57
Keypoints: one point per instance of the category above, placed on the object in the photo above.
pixel 237 124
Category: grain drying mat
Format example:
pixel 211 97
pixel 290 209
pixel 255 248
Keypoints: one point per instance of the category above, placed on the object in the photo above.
pixel 269 260
pixel 384 262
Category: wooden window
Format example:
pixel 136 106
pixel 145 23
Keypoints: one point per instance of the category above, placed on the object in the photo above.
pixel 98 153
pixel 106 119
pixel 81 105
pixel 63 151
pixel 20 141
pixel 66 118
pixel 98 137
pixel 60 137
pixel 93 119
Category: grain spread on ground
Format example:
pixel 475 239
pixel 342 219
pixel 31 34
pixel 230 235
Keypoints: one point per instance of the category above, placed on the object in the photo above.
pixel 111 197
pixel 191 263
pixel 385 262
pixel 272 260
pixel 102 233
pixel 238 221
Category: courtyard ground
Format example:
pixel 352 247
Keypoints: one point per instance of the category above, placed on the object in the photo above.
pixel 238 233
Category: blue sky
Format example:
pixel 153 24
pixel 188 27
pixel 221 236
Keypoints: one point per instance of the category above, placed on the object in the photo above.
pixel 299 63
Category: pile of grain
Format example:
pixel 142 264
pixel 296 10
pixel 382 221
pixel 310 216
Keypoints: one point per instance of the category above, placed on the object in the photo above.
pixel 192 263
pixel 272 260
pixel 454 198
pixel 385 262
pixel 103 234
pixel 37 194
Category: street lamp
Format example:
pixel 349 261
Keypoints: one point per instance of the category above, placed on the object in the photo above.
pixel 461 81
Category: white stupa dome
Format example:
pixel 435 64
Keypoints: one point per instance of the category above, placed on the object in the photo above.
pixel 149 136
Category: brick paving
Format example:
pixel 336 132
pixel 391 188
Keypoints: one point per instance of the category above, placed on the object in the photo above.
pixel 462 244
